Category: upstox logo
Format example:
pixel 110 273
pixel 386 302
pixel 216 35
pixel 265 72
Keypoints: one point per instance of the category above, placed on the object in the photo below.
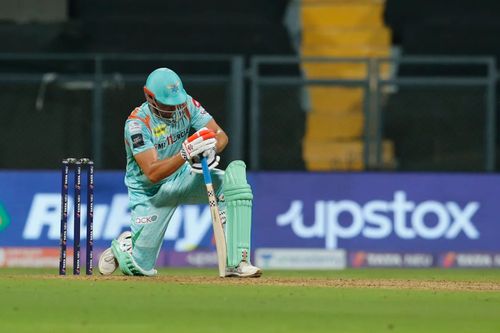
pixel 4 218
pixel 378 219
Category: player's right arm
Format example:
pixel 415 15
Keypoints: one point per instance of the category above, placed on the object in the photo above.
pixel 156 169
pixel 195 145
pixel 138 138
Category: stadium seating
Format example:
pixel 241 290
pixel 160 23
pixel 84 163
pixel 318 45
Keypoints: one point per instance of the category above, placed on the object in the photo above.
pixel 335 122
pixel 149 26
pixel 416 118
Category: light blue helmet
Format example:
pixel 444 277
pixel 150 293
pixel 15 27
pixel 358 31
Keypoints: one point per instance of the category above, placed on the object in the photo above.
pixel 166 86
pixel 165 94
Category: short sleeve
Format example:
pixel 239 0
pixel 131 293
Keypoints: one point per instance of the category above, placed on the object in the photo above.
pixel 199 116
pixel 137 136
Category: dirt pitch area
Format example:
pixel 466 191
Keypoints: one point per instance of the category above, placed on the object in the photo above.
pixel 436 285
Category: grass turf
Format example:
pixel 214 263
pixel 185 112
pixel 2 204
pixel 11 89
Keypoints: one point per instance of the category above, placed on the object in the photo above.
pixel 38 301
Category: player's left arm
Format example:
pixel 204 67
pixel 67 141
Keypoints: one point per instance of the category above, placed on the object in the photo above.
pixel 220 135
pixel 201 118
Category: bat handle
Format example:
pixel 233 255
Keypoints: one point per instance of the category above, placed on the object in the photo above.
pixel 206 171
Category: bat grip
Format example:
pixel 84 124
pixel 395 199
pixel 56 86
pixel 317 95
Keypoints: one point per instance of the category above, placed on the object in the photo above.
pixel 206 171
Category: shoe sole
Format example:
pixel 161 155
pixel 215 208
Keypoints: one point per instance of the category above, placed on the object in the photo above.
pixel 108 253
pixel 104 259
pixel 237 275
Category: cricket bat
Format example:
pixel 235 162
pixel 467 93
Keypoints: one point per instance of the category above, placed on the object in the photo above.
pixel 220 239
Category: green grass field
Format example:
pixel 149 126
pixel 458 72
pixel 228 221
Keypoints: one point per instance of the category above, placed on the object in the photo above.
pixel 180 300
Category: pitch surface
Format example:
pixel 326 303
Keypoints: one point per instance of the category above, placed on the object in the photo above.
pixel 198 301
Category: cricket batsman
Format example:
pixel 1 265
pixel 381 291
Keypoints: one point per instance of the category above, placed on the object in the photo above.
pixel 164 171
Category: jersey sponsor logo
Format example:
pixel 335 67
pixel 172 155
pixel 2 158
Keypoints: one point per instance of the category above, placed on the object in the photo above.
pixel 137 140
pixel 173 138
pixel 160 130
pixel 198 105
pixel 134 127
pixel 161 145
pixel 146 219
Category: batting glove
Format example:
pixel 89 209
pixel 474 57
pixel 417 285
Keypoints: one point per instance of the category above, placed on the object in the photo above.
pixel 212 161
pixel 196 144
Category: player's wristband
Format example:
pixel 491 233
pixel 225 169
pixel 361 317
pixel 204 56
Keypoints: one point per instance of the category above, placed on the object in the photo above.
pixel 184 155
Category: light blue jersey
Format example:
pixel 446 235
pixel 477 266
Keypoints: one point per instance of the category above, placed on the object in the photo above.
pixel 152 205
pixel 144 130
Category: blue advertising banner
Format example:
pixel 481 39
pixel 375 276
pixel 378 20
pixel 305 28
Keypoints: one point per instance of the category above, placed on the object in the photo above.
pixel 30 212
pixel 427 213
pixel 378 212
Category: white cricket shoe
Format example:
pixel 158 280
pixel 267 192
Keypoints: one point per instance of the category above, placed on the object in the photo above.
pixel 107 261
pixel 125 240
pixel 244 269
